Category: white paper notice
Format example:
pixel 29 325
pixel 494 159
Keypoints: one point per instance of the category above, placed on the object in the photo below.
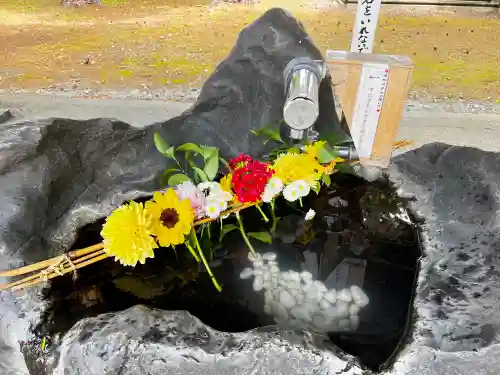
pixel 369 99
pixel 366 23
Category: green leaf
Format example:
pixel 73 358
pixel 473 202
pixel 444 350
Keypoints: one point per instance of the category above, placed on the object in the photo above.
pixel 316 187
pixel 201 175
pixel 166 174
pixel 208 151
pixel 334 139
pixel 177 179
pixel 170 153
pixel 224 161
pixel 326 154
pixel 261 236
pixel 161 145
pixel 345 168
pixel 270 133
pixel 226 229
pixel 212 166
pixel 190 147
pixel 326 179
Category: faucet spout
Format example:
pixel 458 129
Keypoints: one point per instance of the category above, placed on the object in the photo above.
pixel 302 77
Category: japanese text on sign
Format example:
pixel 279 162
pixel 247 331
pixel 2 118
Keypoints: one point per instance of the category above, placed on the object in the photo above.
pixel 366 23
pixel 369 101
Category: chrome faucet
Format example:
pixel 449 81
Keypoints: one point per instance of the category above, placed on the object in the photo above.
pixel 302 77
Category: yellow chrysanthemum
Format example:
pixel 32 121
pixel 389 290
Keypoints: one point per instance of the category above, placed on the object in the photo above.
pixel 331 166
pixel 292 167
pixel 172 218
pixel 226 183
pixel 127 234
pixel 313 149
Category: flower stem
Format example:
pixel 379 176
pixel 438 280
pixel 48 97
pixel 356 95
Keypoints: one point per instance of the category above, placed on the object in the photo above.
pixel 300 202
pixel 273 215
pixel 191 250
pixel 244 235
pixel 262 213
pixel 205 263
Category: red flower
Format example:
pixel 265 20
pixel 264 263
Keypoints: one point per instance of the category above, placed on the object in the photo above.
pixel 239 162
pixel 250 180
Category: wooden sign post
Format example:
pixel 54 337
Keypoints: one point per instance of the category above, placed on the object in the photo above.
pixel 372 88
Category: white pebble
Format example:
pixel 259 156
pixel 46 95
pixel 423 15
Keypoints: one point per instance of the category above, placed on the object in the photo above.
pixel 306 276
pixel 258 272
pixel 314 295
pixel 331 296
pixel 272 263
pixel 285 276
pixel 282 283
pixel 294 276
pixel 354 322
pixel 269 256
pixel 299 298
pixel 246 273
pixel 286 299
pixel 293 284
pixel 344 295
pixel 274 269
pixel 279 310
pixel 267 309
pixel 268 295
pixel 252 257
pixel 259 263
pixel 320 323
pixel 331 313
pixel 344 324
pixel 258 283
pixel 342 309
pixel 359 296
pixel 301 313
pixel 320 286
pixel 325 305
pixel 353 309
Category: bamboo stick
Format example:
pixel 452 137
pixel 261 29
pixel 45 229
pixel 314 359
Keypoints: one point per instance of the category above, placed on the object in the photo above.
pixel 63 271
pixel 39 274
pixel 50 262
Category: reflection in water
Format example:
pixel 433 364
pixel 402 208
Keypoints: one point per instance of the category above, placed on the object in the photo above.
pixel 297 301
pixel 349 272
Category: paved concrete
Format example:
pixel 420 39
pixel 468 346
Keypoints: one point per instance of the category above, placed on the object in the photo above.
pixel 422 124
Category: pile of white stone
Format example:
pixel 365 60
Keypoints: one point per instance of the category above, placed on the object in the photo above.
pixel 297 301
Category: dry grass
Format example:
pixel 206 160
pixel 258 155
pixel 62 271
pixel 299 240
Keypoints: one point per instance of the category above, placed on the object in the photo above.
pixel 158 43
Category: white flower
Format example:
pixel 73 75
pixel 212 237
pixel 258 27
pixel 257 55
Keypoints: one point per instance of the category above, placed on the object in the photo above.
pixel 214 208
pixel 220 196
pixel 267 195
pixel 209 187
pixel 303 187
pixel 275 184
pixel 310 214
pixel 291 193
pixel 217 203
pixel 273 187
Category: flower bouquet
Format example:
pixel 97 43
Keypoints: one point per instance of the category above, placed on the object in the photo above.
pixel 203 191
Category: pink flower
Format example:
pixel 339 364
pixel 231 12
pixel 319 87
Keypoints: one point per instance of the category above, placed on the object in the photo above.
pixel 187 190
